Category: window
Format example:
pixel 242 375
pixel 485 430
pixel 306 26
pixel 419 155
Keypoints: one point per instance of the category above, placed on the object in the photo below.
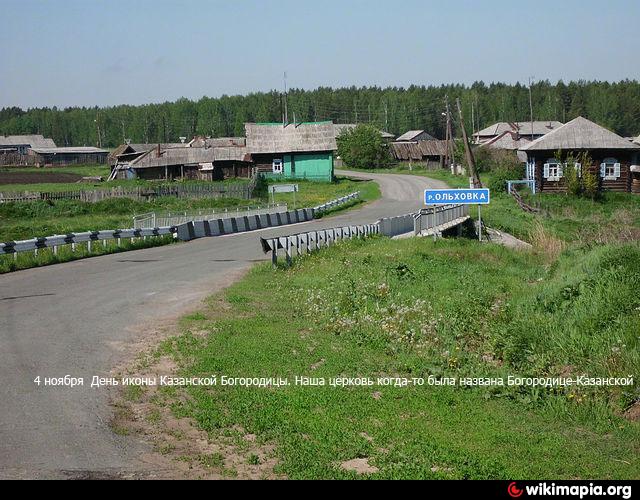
pixel 578 168
pixel 277 166
pixel 552 170
pixel 610 169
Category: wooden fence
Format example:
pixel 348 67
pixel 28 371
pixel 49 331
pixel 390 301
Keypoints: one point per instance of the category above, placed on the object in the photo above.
pixel 242 191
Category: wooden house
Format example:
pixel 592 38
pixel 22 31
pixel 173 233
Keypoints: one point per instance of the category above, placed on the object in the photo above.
pixel 293 151
pixel 612 156
pixel 341 127
pixel 215 163
pixel 21 144
pixel 431 153
pixel 529 131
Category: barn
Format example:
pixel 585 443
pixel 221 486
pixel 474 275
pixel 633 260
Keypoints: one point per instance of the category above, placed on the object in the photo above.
pixel 613 157
pixel 211 164
pixel 69 156
pixel 293 151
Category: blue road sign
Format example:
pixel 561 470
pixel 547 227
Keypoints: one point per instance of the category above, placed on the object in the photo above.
pixel 456 197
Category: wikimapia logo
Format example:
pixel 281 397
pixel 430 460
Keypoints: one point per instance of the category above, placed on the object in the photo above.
pixel 580 491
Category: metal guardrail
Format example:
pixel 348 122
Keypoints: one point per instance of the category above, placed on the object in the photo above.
pixel 433 221
pixel 337 202
pixel 163 219
pixel 185 232
pixel 54 242
pixel 314 240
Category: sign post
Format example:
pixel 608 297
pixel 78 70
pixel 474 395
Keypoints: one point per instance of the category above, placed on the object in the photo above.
pixel 283 188
pixel 477 196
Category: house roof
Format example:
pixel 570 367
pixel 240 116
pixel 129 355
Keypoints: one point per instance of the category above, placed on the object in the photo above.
pixel 637 140
pixel 216 142
pixel 69 150
pixel 524 128
pixel 578 134
pixel 507 140
pixel 293 138
pixel 148 147
pixel 340 127
pixel 189 156
pixel 412 134
pixel 418 150
pixel 34 141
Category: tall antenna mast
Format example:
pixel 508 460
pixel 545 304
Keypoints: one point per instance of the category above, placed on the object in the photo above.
pixel 286 107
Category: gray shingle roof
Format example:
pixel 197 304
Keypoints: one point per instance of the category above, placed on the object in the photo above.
pixel 189 156
pixel 524 128
pixel 418 150
pixel 412 134
pixel 304 137
pixel 507 140
pixel 580 134
pixel 34 141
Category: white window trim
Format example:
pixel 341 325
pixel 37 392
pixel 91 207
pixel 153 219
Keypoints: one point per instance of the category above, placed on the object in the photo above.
pixel 277 166
pixel 552 163
pixel 610 163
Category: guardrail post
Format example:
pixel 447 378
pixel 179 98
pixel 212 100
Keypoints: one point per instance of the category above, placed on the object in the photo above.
pixel 288 250
pixel 274 253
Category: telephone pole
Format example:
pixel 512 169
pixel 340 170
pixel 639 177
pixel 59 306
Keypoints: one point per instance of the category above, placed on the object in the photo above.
pixel 467 149
pixel 286 104
pixel 531 106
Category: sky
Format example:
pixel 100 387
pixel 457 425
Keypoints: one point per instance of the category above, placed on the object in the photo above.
pixel 109 52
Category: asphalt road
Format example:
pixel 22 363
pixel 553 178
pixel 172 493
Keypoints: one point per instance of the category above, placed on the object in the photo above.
pixel 79 317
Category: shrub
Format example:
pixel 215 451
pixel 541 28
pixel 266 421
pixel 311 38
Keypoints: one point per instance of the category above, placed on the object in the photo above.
pixel 363 147
pixel 498 182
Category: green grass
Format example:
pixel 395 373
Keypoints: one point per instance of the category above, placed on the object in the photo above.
pixel 28 220
pixel 613 217
pixel 414 308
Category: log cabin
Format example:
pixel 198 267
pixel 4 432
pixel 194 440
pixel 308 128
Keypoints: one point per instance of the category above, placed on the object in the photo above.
pixel 613 157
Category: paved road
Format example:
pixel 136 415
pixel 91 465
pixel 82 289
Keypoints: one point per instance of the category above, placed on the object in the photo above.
pixel 76 318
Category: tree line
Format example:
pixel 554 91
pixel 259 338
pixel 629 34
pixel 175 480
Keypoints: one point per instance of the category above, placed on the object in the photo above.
pixel 394 109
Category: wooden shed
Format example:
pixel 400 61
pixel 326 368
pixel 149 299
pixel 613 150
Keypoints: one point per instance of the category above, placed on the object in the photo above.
pixel 69 156
pixel 428 152
pixel 415 135
pixel 612 156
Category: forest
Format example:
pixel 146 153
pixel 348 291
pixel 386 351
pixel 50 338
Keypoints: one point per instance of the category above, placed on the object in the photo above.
pixel 395 109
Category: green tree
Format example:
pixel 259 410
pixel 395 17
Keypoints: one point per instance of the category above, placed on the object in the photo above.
pixel 363 147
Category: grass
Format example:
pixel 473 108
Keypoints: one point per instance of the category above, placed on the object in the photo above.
pixel 34 219
pixel 414 308
pixel 563 218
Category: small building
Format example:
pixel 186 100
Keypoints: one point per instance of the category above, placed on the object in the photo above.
pixel 414 136
pixel 69 156
pixel 508 141
pixel 217 142
pixel 431 153
pixel 612 156
pixel 293 151
pixel 21 144
pixel 518 130
pixel 126 153
pixel 215 163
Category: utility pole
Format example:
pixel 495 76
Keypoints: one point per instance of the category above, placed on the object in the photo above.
pixel 98 131
pixel 467 149
pixel 531 106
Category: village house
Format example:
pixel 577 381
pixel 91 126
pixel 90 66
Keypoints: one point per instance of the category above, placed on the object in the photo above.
pixel 414 136
pixel 430 153
pixel 172 163
pixel 514 131
pixel 21 144
pixel 614 159
pixel 126 153
pixel 293 151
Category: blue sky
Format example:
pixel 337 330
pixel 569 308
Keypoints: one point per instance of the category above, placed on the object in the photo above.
pixel 107 52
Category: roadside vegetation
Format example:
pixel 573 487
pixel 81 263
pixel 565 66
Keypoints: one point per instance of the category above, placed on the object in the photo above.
pixel 415 308
pixel 21 221
pixel 570 307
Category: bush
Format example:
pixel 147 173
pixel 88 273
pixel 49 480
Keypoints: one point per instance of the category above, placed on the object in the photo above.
pixel 363 147
pixel 498 182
